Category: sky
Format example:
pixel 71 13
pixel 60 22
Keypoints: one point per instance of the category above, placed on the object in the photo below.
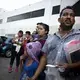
pixel 10 5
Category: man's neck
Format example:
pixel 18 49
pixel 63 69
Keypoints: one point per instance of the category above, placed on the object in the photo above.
pixel 64 33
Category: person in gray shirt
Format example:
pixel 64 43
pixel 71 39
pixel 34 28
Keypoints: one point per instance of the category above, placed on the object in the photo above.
pixel 58 50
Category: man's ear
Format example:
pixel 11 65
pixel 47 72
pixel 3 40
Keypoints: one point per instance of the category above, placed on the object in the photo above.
pixel 59 20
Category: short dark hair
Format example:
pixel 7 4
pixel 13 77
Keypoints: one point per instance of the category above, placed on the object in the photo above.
pixel 67 7
pixel 45 26
pixel 20 31
pixel 28 32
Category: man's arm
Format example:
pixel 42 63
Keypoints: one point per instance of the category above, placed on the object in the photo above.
pixel 73 65
pixel 67 65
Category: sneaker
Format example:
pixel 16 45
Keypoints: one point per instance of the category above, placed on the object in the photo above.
pixel 10 69
pixel 16 70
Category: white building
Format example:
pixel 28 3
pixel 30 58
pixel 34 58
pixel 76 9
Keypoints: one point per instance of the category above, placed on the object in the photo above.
pixel 25 18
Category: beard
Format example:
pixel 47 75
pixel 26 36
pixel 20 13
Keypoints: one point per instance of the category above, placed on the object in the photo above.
pixel 67 24
pixel 66 27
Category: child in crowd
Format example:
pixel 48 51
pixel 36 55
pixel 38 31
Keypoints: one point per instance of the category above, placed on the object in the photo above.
pixel 32 51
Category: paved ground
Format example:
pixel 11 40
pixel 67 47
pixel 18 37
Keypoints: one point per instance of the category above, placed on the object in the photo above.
pixel 4 75
pixel 51 74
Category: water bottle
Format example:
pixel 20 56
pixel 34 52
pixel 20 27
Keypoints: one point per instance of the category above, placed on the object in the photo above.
pixel 61 69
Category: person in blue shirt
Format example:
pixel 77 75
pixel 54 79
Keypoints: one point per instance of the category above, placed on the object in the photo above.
pixel 31 64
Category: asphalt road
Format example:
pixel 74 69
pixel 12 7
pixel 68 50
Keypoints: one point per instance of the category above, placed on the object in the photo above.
pixel 4 75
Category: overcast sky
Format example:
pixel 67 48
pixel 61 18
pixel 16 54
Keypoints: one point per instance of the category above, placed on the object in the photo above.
pixel 15 4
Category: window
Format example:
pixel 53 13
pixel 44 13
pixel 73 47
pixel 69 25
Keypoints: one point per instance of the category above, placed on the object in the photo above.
pixel 76 8
pixel 19 17
pixel 37 13
pixel 1 21
pixel 56 9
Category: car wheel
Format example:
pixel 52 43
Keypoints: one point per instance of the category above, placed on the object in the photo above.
pixel 8 53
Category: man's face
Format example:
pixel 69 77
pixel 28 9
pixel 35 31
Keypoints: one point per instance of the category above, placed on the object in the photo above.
pixel 67 19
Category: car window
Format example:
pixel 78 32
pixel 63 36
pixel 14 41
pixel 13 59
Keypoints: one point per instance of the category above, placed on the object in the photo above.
pixel 8 40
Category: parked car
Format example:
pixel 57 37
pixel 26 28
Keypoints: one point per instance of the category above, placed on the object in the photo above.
pixel 5 47
pixel 2 40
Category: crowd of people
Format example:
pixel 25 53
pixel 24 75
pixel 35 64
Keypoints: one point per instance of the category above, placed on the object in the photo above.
pixel 34 51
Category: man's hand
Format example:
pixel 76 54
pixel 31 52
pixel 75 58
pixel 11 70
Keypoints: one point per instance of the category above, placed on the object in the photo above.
pixel 65 65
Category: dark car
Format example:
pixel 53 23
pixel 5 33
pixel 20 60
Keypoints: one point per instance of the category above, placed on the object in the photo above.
pixel 2 40
pixel 5 47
